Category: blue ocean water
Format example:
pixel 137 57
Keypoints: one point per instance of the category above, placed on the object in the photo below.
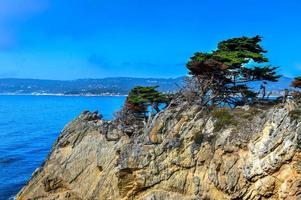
pixel 29 125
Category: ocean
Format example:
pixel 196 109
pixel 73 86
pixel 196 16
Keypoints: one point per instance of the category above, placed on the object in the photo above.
pixel 29 125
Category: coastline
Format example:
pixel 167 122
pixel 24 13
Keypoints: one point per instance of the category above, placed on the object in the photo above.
pixel 66 95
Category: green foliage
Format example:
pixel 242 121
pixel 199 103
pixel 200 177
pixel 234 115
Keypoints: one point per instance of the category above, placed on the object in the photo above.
pixel 140 98
pixel 231 54
pixel 298 78
pixel 228 68
pixel 241 50
pixel 146 95
pixel 223 118
pixel 247 114
pixel 267 73
pixel 295 114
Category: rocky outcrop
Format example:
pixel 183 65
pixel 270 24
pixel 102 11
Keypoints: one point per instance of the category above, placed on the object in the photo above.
pixel 184 152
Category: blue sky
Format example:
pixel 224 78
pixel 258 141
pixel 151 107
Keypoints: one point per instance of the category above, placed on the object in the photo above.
pixel 70 39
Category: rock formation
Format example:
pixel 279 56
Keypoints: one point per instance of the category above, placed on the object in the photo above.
pixel 184 152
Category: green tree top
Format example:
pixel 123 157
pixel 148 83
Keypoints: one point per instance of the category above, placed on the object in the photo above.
pixel 232 53
pixel 141 94
pixel 227 70
pixel 140 98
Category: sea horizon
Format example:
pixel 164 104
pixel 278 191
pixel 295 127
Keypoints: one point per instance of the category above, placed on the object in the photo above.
pixel 65 95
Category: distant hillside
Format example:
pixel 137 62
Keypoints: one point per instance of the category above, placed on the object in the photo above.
pixel 283 83
pixel 114 86
pixel 120 85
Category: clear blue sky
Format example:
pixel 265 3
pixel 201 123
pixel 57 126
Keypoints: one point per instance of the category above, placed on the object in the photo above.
pixel 70 39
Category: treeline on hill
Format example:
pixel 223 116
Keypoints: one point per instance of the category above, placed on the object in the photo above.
pixel 218 78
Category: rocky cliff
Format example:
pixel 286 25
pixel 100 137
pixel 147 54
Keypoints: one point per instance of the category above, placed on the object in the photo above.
pixel 184 152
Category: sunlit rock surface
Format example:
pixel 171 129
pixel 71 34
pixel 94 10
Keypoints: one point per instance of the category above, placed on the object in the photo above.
pixel 179 154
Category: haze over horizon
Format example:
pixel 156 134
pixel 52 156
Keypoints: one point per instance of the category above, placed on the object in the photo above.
pixel 87 78
pixel 66 40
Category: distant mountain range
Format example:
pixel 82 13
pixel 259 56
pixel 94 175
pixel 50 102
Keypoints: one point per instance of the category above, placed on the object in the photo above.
pixel 106 86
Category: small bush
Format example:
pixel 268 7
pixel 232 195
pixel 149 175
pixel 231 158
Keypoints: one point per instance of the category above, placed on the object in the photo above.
pixel 223 118
pixel 295 114
pixel 247 114
pixel 297 96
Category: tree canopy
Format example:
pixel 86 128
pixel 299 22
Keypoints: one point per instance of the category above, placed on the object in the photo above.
pixel 224 73
pixel 140 98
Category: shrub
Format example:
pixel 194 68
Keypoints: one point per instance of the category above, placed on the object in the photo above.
pixel 223 118
pixel 295 114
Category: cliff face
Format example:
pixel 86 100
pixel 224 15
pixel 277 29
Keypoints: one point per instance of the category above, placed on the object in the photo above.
pixel 184 152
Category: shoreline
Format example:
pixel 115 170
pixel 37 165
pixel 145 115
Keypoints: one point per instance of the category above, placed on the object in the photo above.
pixel 66 95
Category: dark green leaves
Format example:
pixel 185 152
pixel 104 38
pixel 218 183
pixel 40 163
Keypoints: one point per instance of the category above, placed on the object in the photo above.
pixel 140 98
pixel 231 54
pixel 227 69
pixel 146 95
